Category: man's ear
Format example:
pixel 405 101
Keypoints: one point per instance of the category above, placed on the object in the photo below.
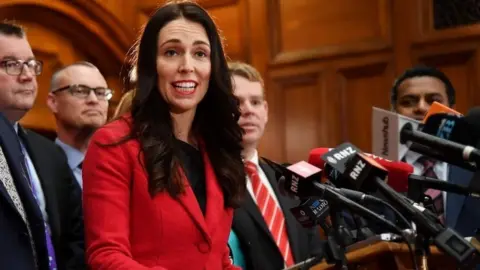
pixel 52 102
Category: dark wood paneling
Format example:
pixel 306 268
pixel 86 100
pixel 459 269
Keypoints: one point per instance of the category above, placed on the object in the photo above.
pixel 325 63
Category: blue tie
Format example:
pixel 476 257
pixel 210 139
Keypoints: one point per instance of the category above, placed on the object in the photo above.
pixel 236 253
pixel 52 263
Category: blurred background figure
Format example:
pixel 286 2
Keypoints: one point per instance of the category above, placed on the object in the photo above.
pixel 78 99
pixel 41 220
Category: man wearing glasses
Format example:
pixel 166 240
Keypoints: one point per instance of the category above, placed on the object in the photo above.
pixel 79 100
pixel 41 225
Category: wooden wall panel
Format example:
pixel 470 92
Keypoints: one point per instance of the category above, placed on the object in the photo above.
pixel 460 68
pixel 325 63
pixel 327 28
pixel 296 107
pixel 231 18
pixel 363 86
pixel 54 54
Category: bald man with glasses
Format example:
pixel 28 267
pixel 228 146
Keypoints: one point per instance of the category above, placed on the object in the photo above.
pixel 78 98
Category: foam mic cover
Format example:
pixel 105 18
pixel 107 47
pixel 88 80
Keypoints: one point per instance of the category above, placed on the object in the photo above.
pixel 299 178
pixel 439 108
pixel 450 127
pixel 311 212
pixel 473 120
pixel 360 169
pixel 398 172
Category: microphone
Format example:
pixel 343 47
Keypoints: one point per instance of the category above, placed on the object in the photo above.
pixel 449 127
pixel 398 172
pixel 451 152
pixel 437 108
pixel 302 180
pixel 418 184
pixel 314 212
pixel 473 120
pixel 366 174
pixel 386 126
pixel 311 212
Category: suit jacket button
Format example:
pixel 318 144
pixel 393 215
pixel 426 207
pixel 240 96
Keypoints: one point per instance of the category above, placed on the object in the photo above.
pixel 203 247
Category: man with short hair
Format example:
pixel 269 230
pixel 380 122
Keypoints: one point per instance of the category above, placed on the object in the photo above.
pixel 412 95
pixel 78 98
pixel 265 235
pixel 417 88
pixel 41 224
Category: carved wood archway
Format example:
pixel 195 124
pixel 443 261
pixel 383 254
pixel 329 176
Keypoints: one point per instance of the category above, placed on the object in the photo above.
pixel 61 32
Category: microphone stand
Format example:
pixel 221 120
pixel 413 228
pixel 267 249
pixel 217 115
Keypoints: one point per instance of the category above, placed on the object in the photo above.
pixel 338 238
pixel 363 231
pixel 422 250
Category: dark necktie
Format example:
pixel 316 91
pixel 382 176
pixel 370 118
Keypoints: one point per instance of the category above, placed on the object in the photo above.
pixel 435 195
pixel 52 263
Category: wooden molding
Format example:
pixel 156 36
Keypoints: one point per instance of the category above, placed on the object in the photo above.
pixel 80 20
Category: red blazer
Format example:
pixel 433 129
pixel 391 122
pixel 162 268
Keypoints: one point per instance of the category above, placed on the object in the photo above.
pixel 127 229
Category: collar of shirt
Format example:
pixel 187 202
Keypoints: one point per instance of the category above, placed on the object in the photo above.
pixel 263 177
pixel 74 156
pixel 254 159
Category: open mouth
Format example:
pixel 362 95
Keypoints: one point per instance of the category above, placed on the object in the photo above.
pixel 185 88
pixel 248 127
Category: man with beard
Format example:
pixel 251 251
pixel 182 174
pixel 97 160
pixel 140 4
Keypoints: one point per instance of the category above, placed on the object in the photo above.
pixel 78 98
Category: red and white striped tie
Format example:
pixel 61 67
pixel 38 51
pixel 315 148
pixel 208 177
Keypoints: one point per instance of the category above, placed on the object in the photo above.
pixel 271 212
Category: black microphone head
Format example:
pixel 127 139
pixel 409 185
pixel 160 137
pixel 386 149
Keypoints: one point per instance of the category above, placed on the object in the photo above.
pixel 361 170
pixel 281 188
pixel 473 120
pixel 451 127
pixel 311 212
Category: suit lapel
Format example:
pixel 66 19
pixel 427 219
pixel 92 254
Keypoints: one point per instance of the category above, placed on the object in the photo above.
pixel 252 209
pixel 285 205
pixel 45 178
pixel 190 204
pixel 455 202
pixel 215 202
pixel 13 156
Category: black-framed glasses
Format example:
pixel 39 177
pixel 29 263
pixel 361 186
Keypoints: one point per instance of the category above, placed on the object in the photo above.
pixel 83 91
pixel 15 67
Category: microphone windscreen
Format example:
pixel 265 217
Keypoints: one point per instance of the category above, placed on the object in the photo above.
pixel 398 172
pixel 315 157
pixel 437 108
pixel 473 120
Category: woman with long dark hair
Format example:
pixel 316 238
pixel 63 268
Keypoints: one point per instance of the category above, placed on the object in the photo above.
pixel 160 183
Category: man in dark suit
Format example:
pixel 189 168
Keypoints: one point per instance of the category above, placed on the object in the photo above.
pixel 412 95
pixel 42 187
pixel 265 235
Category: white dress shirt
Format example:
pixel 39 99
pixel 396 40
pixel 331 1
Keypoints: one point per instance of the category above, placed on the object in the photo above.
pixel 440 168
pixel 74 158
